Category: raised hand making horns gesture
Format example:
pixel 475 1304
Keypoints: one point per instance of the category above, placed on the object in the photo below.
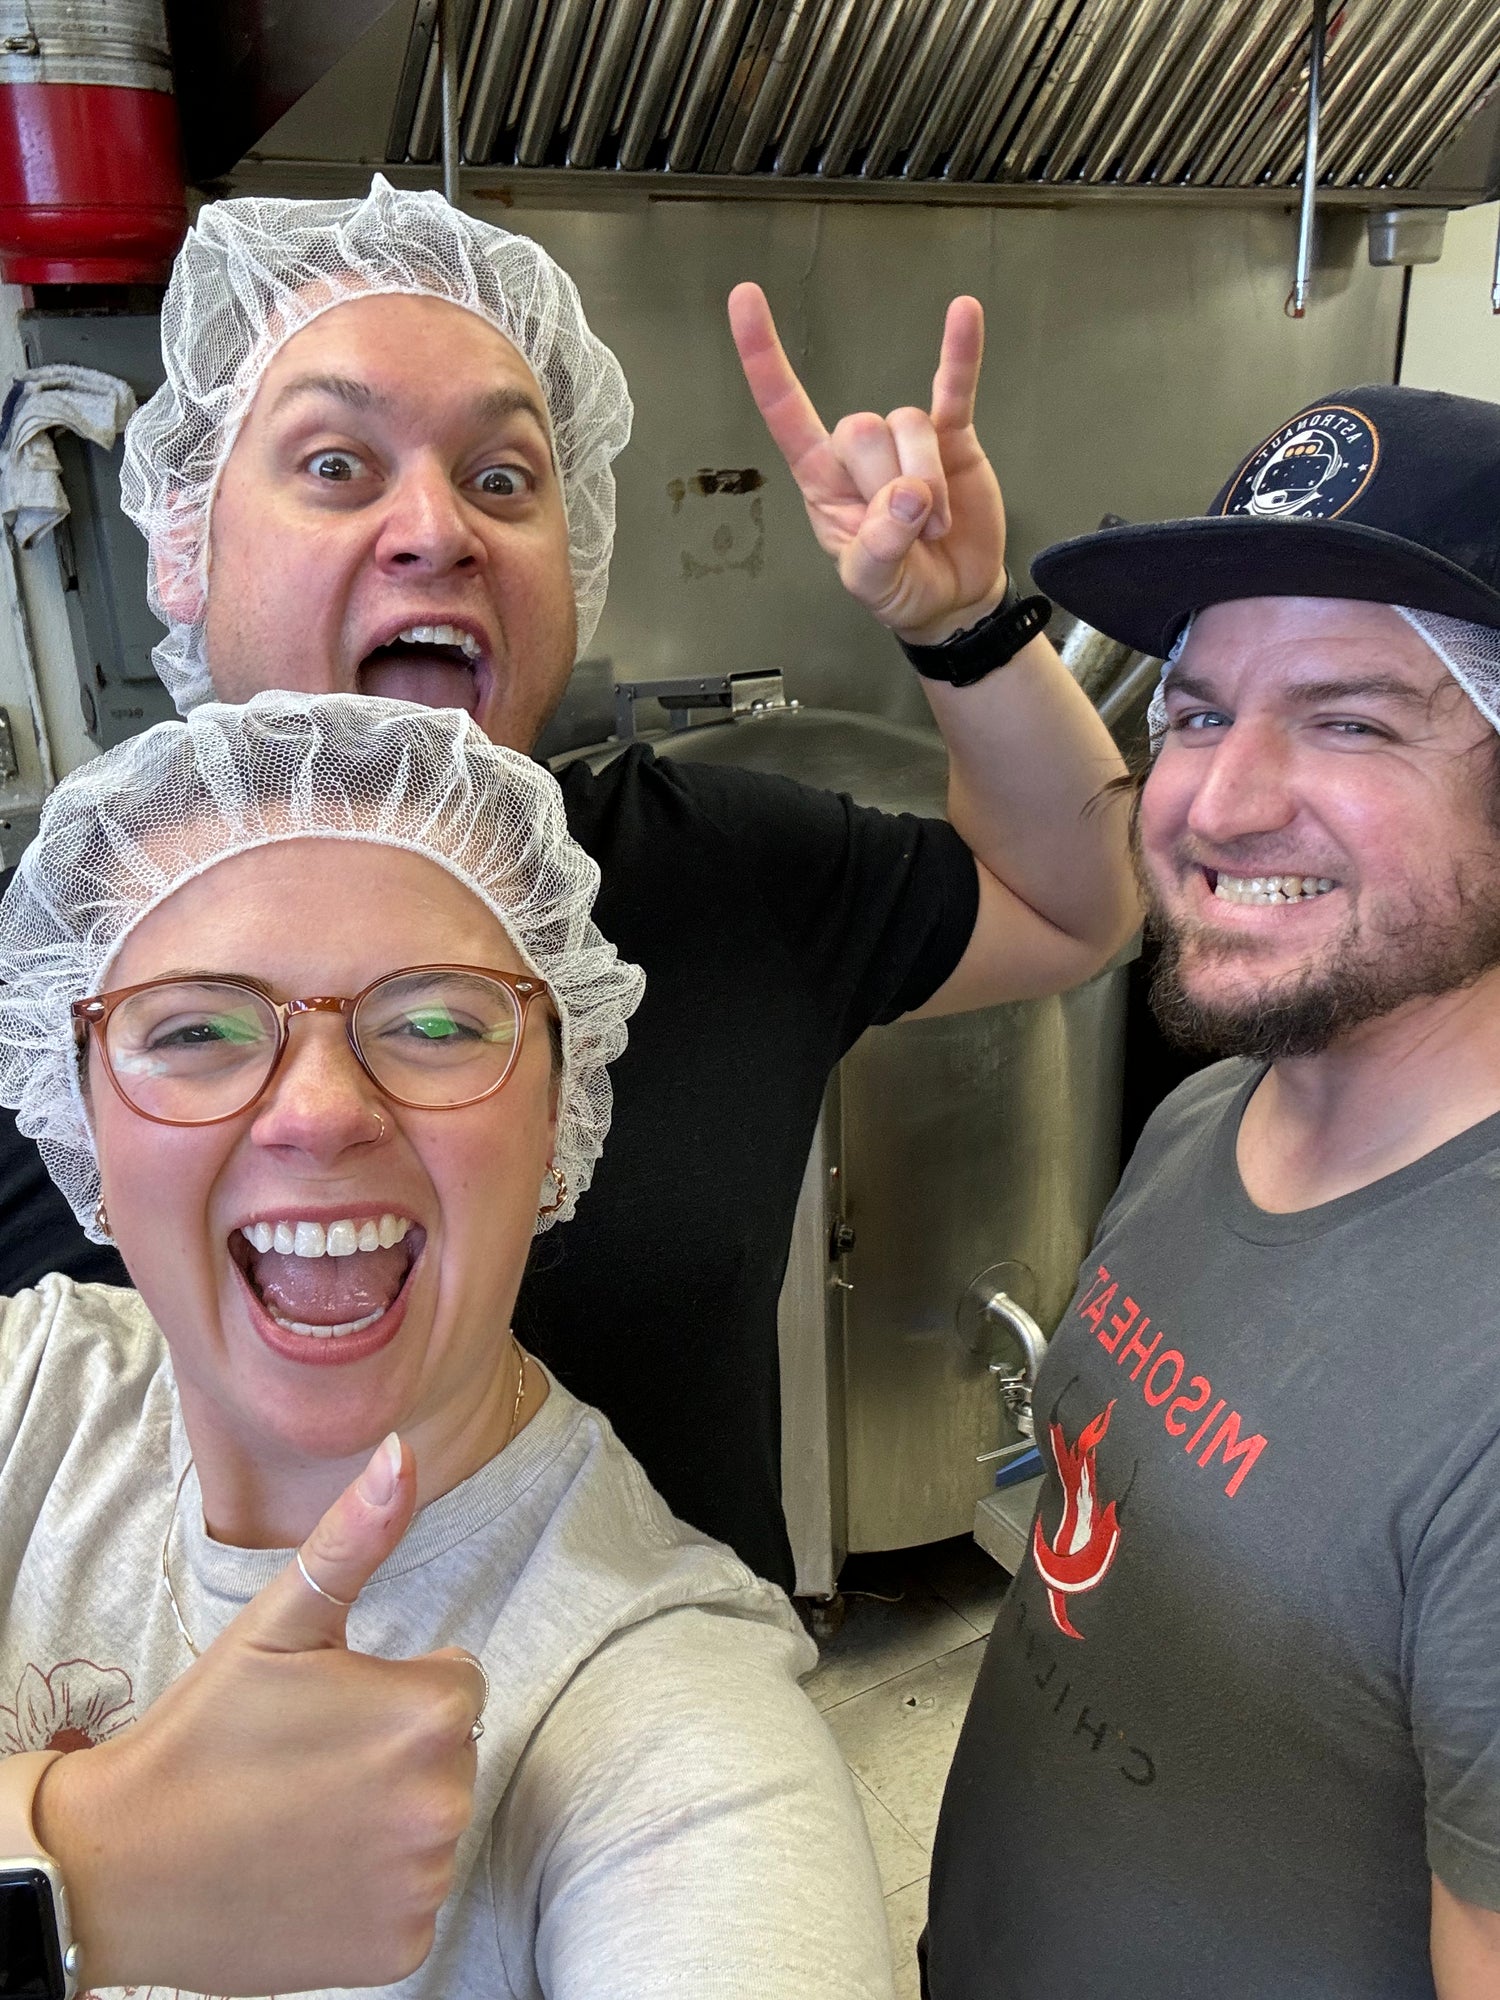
pixel 907 504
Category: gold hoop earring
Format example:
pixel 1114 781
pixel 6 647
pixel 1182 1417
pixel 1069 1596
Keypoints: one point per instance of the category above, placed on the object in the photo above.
pixel 560 1183
pixel 101 1220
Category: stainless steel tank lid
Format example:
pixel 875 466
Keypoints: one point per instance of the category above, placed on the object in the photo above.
pixel 877 763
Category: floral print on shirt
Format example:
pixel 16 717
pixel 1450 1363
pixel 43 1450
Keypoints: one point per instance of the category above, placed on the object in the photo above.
pixel 78 1704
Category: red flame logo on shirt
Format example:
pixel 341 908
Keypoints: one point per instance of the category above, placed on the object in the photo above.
pixel 1079 1555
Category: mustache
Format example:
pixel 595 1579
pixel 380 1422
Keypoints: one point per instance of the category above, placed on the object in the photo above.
pixel 1247 858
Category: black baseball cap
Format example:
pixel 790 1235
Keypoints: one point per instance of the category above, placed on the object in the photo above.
pixel 1385 494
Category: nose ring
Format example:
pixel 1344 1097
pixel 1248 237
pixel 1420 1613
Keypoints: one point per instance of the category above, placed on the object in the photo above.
pixel 381 1133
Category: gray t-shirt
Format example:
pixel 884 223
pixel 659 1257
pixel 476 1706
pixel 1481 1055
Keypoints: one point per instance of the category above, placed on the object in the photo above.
pixel 658 1809
pixel 1245 1694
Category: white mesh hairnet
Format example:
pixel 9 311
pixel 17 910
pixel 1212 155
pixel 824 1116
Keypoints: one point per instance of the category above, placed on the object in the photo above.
pixel 1156 713
pixel 120 834
pixel 254 272
pixel 1471 653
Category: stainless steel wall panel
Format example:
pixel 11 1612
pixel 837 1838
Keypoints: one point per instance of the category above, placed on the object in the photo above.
pixel 1027 1097
pixel 810 1337
pixel 1133 354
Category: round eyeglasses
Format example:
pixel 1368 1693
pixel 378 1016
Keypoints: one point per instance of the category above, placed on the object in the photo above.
pixel 195 1051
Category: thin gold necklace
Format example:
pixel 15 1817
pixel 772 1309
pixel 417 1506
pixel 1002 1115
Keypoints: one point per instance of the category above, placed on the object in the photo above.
pixel 166 1545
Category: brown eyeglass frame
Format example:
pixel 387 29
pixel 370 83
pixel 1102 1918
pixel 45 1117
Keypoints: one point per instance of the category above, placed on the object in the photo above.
pixel 95 1010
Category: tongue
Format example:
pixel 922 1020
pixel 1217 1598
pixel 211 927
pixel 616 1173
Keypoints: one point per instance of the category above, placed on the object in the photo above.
pixel 432 679
pixel 329 1291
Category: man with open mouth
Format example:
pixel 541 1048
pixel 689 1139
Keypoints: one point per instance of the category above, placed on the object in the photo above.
pixel 381 464
pixel 1237 1731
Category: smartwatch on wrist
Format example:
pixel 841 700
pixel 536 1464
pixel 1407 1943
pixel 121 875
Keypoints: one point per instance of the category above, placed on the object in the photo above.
pixel 966 657
pixel 38 1958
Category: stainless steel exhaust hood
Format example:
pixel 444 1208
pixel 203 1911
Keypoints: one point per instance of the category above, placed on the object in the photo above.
pixel 963 96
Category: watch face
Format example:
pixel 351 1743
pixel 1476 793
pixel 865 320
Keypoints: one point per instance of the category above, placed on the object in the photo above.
pixel 30 1962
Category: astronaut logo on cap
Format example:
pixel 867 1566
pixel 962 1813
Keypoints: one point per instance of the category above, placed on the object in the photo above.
pixel 1310 470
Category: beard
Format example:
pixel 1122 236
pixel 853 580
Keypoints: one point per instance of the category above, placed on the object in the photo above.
pixel 1434 945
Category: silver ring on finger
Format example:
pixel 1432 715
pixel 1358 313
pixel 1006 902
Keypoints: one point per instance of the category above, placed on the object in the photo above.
pixel 343 1603
pixel 478 1729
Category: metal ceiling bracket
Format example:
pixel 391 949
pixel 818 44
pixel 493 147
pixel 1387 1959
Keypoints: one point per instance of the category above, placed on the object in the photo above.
pixel 1296 305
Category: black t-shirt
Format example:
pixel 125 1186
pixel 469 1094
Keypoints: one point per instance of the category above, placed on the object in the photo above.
pixel 1243 1698
pixel 775 923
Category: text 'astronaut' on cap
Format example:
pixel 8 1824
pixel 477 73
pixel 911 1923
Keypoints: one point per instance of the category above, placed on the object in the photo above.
pixel 1384 494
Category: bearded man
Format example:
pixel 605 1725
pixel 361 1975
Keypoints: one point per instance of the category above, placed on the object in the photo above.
pixel 1237 1731
pixel 381 463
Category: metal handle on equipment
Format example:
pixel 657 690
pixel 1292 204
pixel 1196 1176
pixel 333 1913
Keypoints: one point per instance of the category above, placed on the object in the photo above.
pixel 1015 1384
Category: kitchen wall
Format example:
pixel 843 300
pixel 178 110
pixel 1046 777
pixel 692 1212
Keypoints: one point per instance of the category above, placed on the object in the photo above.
pixel 1452 335
pixel 1134 352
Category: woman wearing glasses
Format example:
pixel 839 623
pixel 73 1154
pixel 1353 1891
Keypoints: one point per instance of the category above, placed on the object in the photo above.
pixel 386 1661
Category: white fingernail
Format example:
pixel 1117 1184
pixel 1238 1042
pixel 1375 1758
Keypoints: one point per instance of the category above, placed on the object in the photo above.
pixel 378 1481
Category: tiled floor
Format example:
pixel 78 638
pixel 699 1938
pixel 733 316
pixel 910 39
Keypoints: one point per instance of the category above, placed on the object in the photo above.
pixel 894 1685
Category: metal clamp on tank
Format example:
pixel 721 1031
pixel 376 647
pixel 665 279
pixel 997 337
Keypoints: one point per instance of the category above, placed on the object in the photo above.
pixel 739 694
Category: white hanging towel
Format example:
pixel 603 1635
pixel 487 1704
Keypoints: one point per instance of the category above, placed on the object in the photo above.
pixel 59 397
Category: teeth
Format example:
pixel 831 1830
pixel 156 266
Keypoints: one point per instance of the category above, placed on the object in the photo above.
pixel 441 635
pixel 1271 888
pixel 337 1239
pixel 326 1332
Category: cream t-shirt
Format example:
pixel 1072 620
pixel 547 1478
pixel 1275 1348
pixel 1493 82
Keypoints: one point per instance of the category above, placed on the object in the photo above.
pixel 659 1809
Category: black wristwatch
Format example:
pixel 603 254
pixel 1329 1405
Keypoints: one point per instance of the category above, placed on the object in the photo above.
pixel 966 657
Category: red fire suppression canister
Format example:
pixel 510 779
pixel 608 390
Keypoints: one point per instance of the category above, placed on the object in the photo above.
pixel 91 188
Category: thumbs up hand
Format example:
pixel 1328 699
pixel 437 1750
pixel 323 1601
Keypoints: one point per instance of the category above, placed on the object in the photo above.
pixel 285 1816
